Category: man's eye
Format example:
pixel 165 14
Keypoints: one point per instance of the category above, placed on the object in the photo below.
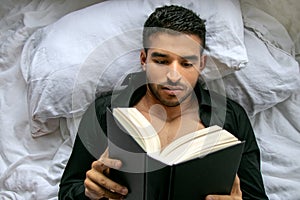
pixel 161 62
pixel 187 65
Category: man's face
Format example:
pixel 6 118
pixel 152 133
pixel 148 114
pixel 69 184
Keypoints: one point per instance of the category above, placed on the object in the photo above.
pixel 172 64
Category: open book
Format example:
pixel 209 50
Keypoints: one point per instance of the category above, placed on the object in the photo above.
pixel 189 146
pixel 191 167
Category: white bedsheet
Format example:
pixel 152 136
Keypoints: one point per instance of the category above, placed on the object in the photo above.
pixel 278 131
pixel 30 168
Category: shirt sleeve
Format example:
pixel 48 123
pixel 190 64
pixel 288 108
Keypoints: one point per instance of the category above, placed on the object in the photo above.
pixel 249 170
pixel 90 143
pixel 71 185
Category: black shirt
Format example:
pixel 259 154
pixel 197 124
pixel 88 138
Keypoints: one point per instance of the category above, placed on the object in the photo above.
pixel 214 109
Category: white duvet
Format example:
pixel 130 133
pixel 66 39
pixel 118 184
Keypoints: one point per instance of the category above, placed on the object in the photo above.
pixel 268 87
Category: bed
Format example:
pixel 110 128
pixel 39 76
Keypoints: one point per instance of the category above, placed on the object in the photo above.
pixel 56 56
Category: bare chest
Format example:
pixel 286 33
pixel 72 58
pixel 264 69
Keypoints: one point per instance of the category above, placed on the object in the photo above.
pixel 171 130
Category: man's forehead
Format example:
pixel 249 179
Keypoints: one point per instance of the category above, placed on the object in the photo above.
pixel 180 44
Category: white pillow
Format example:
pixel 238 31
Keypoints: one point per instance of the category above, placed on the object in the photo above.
pixel 271 76
pixel 88 51
pixel 272 73
pixel 285 33
pixel 266 27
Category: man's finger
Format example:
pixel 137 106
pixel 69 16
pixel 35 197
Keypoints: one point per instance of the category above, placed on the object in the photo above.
pixel 99 166
pixel 236 193
pixel 222 197
pixel 236 189
pixel 111 163
pixel 94 191
pixel 212 197
pixel 101 180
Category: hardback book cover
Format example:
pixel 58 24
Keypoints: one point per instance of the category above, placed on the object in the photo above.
pixel 150 179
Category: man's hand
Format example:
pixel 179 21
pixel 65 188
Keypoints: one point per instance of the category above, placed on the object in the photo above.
pixel 97 185
pixel 236 193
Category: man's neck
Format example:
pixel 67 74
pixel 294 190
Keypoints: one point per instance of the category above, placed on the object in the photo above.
pixel 153 106
pixel 171 122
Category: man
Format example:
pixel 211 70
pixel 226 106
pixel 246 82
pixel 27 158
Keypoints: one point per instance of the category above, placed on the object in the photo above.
pixel 169 95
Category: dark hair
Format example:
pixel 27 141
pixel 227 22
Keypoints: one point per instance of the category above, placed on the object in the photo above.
pixel 174 19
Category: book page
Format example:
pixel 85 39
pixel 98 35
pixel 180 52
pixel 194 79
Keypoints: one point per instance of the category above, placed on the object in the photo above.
pixel 188 138
pixel 189 146
pixel 200 146
pixel 139 128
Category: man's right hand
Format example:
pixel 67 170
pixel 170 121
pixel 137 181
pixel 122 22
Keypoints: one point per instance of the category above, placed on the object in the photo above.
pixel 97 185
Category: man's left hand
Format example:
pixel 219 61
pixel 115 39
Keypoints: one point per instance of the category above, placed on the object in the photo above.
pixel 236 193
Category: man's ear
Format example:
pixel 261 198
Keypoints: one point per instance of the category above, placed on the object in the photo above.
pixel 202 62
pixel 143 57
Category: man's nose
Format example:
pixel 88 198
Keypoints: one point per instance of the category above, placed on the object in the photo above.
pixel 173 74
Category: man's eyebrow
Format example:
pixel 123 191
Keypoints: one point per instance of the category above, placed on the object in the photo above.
pixel 190 58
pixel 157 54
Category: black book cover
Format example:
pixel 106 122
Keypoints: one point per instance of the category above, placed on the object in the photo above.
pixel 149 179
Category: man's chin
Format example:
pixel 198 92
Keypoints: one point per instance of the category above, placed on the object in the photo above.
pixel 170 103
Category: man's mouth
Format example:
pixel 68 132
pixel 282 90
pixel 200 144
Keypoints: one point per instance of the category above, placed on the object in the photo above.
pixel 172 90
